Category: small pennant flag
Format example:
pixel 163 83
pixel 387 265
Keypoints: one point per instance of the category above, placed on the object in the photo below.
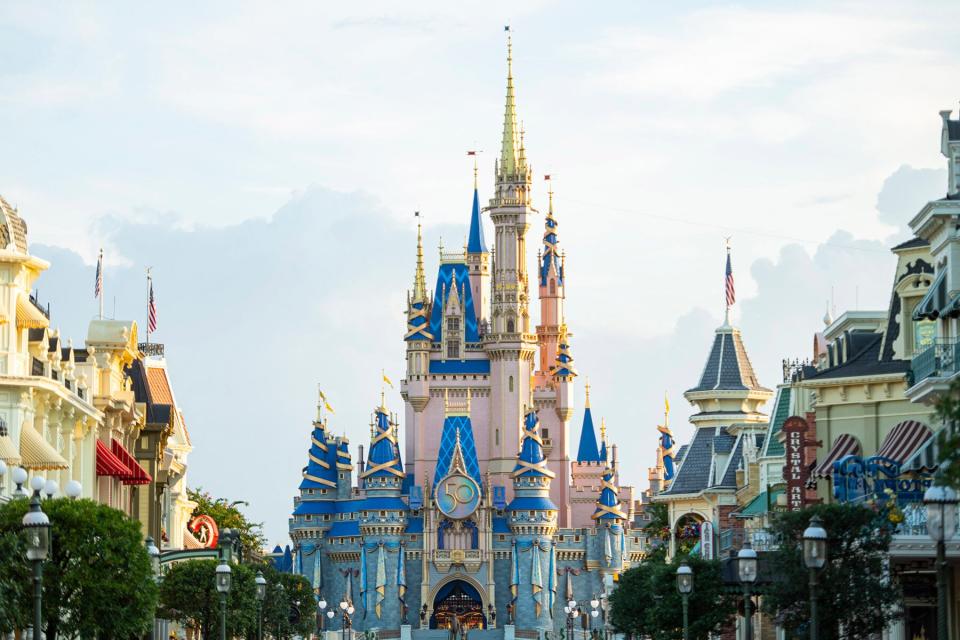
pixel 326 404
pixel 386 379
pixel 98 286
pixel 666 402
pixel 471 153
pixel 152 311
pixel 546 177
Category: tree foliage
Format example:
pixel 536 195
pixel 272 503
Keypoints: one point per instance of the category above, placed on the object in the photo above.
pixel 948 411
pixel 12 614
pixel 646 601
pixel 853 593
pixel 188 594
pixel 97 582
pixel 228 516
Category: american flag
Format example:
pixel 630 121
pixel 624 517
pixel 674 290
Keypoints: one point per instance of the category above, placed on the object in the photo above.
pixel 98 287
pixel 152 311
pixel 731 292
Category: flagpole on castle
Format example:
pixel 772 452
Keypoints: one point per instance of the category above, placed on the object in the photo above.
pixel 728 289
pixel 99 285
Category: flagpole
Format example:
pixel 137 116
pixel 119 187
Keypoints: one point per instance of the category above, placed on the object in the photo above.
pixel 726 294
pixel 149 278
pixel 100 267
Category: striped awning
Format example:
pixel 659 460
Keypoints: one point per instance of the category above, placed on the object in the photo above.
pixel 904 440
pixel 845 445
pixel 137 473
pixel 38 454
pixel 109 464
pixel 925 459
pixel 931 305
pixel 28 316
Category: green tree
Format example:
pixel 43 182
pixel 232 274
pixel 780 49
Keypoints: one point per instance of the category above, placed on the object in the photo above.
pixel 646 601
pixel 854 592
pixel 12 614
pixel 97 582
pixel 188 594
pixel 948 411
pixel 228 516
pixel 291 610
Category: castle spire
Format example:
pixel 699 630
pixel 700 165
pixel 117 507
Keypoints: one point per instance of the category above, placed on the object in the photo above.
pixel 509 148
pixel 587 451
pixel 563 367
pixel 475 242
pixel 608 504
pixel 419 278
pixel 550 258
pixel 418 302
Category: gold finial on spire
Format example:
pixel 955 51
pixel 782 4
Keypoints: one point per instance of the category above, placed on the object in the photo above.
pixel 603 429
pixel 587 403
pixel 419 278
pixel 475 153
pixel 549 180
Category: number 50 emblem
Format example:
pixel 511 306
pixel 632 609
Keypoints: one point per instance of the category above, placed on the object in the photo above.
pixel 458 496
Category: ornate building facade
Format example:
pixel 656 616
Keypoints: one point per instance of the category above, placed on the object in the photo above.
pixel 483 516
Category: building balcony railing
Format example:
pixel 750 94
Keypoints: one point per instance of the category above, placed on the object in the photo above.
pixel 151 348
pixel 760 539
pixel 940 359
pixel 915 521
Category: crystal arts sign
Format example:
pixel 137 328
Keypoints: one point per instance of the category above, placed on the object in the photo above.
pixel 795 471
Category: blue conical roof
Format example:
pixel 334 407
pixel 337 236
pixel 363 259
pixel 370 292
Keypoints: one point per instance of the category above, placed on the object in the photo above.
pixel 608 504
pixel 588 452
pixel 530 460
pixel 384 457
pixel 321 469
pixel 551 253
pixel 475 242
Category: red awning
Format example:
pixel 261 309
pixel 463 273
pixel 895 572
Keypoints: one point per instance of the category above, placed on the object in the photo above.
pixel 904 440
pixel 845 445
pixel 137 473
pixel 109 464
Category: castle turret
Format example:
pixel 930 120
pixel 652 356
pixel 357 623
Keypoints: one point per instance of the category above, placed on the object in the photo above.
pixel 415 387
pixel 509 344
pixel 588 451
pixel 478 258
pixel 383 474
pixel 551 293
pixel 533 522
pixel 610 519
pixel 321 470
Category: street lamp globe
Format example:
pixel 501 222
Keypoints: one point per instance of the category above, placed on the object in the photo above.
pixel 223 577
pixel 350 609
pixel 344 604
pixel 594 603
pixel 36 526
pixel 747 564
pixel 50 487
pixel 566 610
pixel 73 489
pixel 684 578
pixel 261 583
pixel 941 505
pixel 19 477
pixel 815 544
pixel 572 604
pixel 3 468
pixel 594 613
pixel 37 483
pixel 322 604
pixel 330 614
pixel 154 554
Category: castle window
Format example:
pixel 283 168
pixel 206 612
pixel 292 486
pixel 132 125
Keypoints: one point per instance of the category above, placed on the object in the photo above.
pixel 510 384
pixel 309 518
pixel 310 492
pixel 326 517
pixel 510 326
pixel 553 286
pixel 453 324
pixel 383 514
pixel 496 437
pixel 453 350
pixel 546 433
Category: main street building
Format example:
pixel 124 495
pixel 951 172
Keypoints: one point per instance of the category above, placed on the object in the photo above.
pixel 484 516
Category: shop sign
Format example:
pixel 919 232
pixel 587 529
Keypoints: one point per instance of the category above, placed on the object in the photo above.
pixel 795 471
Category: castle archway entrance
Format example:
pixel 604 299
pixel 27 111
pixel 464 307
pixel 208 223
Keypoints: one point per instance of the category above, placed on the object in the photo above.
pixel 458 600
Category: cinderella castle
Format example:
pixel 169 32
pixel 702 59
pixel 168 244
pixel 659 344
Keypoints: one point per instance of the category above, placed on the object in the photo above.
pixel 484 520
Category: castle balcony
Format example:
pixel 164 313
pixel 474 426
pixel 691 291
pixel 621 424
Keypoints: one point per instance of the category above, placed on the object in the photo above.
pixel 469 559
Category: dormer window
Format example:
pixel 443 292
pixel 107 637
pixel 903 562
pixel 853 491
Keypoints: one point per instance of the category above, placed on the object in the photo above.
pixel 453 349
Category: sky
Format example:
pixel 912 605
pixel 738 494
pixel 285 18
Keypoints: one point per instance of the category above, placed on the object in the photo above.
pixel 266 160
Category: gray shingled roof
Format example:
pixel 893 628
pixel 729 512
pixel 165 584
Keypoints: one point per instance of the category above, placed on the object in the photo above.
pixel 728 367
pixel 694 473
pixel 865 362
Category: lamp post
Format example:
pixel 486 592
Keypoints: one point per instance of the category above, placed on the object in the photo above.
pixel 19 477
pixel 814 557
pixel 223 586
pixel 571 611
pixel 261 583
pixel 594 612
pixel 346 610
pixel 941 505
pixel 685 587
pixel 747 572
pixel 36 526
pixel 321 607
pixel 154 554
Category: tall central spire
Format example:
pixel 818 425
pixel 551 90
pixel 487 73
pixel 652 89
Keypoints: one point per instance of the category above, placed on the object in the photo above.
pixel 510 148
pixel 419 278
